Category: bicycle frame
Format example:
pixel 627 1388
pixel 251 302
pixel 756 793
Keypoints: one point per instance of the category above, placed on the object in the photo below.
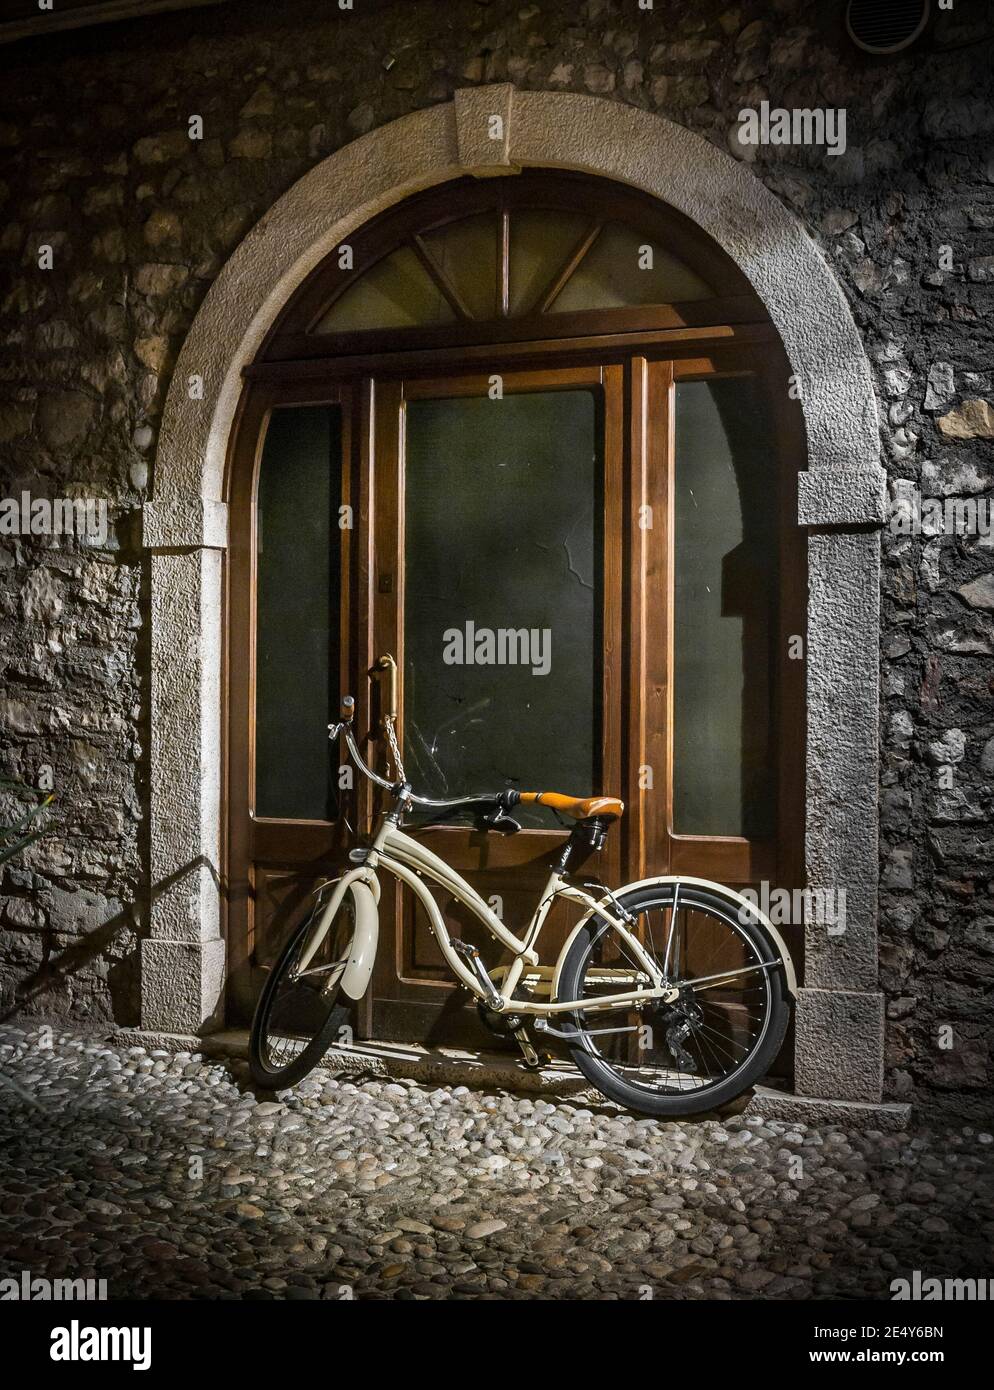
pixel 411 863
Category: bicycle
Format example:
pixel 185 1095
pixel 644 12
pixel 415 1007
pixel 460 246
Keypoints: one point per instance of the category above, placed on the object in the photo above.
pixel 701 979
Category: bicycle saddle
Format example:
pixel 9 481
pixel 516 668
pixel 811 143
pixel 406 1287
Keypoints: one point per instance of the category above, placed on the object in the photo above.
pixel 578 807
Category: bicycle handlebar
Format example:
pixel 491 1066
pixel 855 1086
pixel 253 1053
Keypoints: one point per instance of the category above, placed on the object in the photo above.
pixel 346 728
pixel 489 801
pixel 497 802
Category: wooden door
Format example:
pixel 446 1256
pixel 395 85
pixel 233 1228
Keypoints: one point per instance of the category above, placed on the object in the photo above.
pixel 718 591
pixel 498 519
pixel 290 649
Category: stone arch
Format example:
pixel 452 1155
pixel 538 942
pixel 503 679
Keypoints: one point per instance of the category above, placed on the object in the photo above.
pixel 840 1020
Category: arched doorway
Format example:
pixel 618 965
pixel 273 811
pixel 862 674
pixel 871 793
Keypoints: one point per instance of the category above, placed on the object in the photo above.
pixel 534 436
pixel 839 1053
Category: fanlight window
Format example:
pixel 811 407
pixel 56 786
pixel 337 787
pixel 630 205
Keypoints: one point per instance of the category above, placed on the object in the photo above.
pixel 398 292
pixel 510 262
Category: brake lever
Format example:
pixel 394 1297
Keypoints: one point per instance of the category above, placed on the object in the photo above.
pixel 504 825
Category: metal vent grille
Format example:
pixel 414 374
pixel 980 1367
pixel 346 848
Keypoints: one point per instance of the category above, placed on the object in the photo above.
pixel 886 26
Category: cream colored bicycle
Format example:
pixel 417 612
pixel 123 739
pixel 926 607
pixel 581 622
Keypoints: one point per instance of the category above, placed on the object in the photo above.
pixel 671 994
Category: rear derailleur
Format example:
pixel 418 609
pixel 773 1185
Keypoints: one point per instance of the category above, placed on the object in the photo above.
pixel 680 1021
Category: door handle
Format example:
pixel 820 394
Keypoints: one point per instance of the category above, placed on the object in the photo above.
pixel 386 665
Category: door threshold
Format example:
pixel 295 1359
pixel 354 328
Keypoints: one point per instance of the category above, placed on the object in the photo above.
pixel 457 1066
pixel 443 1066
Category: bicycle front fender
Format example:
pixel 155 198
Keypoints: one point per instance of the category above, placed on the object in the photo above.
pixel 365 896
pixel 364 888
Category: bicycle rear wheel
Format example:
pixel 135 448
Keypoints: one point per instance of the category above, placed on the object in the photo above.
pixel 299 1014
pixel 721 1034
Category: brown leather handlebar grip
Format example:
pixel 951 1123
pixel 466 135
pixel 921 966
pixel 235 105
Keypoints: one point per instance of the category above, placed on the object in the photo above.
pixel 579 807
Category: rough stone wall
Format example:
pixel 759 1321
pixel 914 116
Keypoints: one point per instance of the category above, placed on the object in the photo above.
pixel 97 164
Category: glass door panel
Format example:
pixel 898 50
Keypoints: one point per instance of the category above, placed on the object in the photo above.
pixel 298 564
pixel 288 588
pixel 503 604
pixel 725 570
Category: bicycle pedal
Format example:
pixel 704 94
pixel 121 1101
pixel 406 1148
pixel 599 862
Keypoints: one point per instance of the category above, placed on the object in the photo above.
pixel 474 960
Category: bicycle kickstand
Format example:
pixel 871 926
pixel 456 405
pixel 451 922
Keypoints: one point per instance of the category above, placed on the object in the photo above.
pixel 533 1059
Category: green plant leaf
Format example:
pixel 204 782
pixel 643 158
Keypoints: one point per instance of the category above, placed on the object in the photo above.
pixel 9 851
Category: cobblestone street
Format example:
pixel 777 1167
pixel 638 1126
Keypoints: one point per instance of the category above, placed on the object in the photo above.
pixel 164 1174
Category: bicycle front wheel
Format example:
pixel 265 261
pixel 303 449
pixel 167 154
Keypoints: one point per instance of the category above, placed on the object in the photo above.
pixel 716 1039
pixel 299 1013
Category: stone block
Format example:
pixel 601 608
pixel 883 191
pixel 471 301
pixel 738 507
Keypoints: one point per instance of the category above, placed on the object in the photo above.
pixel 182 985
pixel 839 1047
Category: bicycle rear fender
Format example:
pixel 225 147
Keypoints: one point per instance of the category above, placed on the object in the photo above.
pixel 735 900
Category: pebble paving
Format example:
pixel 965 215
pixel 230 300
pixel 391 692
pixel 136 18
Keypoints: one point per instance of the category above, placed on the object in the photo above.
pixel 164 1174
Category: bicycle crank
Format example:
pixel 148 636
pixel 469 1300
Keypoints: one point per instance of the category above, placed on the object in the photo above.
pixel 474 960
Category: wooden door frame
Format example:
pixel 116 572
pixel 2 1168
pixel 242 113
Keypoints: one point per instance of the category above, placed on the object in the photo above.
pixel 638 368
